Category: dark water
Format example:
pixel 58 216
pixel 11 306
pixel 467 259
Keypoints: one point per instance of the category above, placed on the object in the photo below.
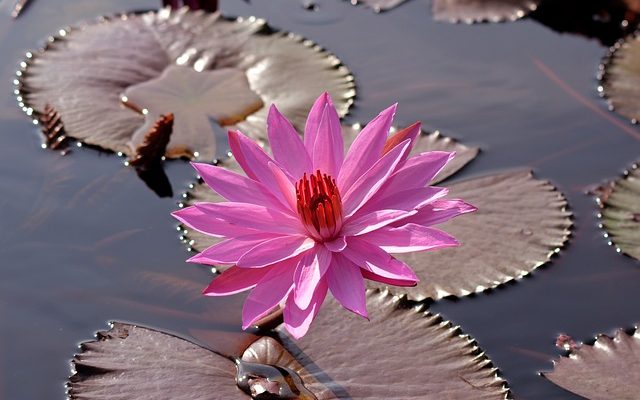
pixel 83 241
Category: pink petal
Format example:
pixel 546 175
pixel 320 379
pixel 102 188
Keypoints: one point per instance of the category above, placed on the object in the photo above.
pixel 418 171
pixel 204 222
pixel 272 289
pixel 313 121
pixel 254 161
pixel 368 184
pixel 411 132
pixel 286 187
pixel 410 199
pixel 440 211
pixel 409 238
pixel 234 280
pixel 367 222
pixel 235 187
pixel 296 320
pixel 336 245
pixel 347 285
pixel 366 149
pixel 375 260
pixel 328 149
pixel 256 217
pixel 308 275
pixel 387 281
pixel 275 250
pixel 286 145
pixel 231 250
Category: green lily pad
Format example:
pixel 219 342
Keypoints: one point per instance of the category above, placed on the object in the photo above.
pixel 470 11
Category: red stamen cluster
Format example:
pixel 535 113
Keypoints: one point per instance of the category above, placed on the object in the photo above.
pixel 319 205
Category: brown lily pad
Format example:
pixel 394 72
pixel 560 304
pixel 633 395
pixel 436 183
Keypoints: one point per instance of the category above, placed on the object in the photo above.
pixel 331 362
pixel 608 369
pixel 84 72
pixel 620 212
pixel 520 223
pixel 130 362
pixel 420 355
pixel 471 11
pixel 620 78
pixel 434 141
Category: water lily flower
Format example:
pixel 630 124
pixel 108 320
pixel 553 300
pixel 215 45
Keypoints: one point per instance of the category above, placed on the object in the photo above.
pixel 312 219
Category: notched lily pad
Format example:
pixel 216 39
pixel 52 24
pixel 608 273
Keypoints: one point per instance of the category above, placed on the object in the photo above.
pixel 421 356
pixel 608 369
pixel 199 192
pixel 520 223
pixel 620 78
pixel 620 212
pixel 131 362
pixel 471 11
pixel 155 61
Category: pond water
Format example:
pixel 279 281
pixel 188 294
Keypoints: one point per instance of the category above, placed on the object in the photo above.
pixel 83 240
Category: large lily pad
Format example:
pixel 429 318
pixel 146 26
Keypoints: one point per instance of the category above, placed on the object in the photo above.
pixel 332 362
pixel 401 353
pixel 85 71
pixel 620 204
pixel 130 362
pixel 426 142
pixel 520 223
pixel 470 11
pixel 620 78
pixel 608 369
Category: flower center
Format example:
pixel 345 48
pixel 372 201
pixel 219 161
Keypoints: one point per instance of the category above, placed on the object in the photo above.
pixel 319 205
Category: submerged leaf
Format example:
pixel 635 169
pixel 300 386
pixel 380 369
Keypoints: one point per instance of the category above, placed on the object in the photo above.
pixel 84 72
pixel 130 362
pixel 520 223
pixel 401 352
pixel 471 11
pixel 379 5
pixel 606 370
pixel 620 203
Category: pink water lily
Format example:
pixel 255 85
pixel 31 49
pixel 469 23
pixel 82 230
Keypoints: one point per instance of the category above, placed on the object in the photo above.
pixel 311 219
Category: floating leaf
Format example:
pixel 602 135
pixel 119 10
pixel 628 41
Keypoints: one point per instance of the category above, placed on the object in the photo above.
pixel 426 142
pixel 130 362
pixel 620 78
pixel 402 352
pixel 520 223
pixel 620 203
pixel 470 11
pixel 153 145
pixel 606 370
pixel 83 73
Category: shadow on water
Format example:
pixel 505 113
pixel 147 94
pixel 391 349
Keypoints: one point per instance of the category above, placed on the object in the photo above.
pixel 83 242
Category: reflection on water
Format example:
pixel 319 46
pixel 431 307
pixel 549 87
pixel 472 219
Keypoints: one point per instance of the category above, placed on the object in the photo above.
pixel 84 241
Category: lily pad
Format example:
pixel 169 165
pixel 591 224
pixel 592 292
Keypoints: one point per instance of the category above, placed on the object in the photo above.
pixel 200 192
pixel 620 78
pixel 520 223
pixel 84 72
pixel 471 11
pixel 132 362
pixel 620 204
pixel 608 369
pixel 422 356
